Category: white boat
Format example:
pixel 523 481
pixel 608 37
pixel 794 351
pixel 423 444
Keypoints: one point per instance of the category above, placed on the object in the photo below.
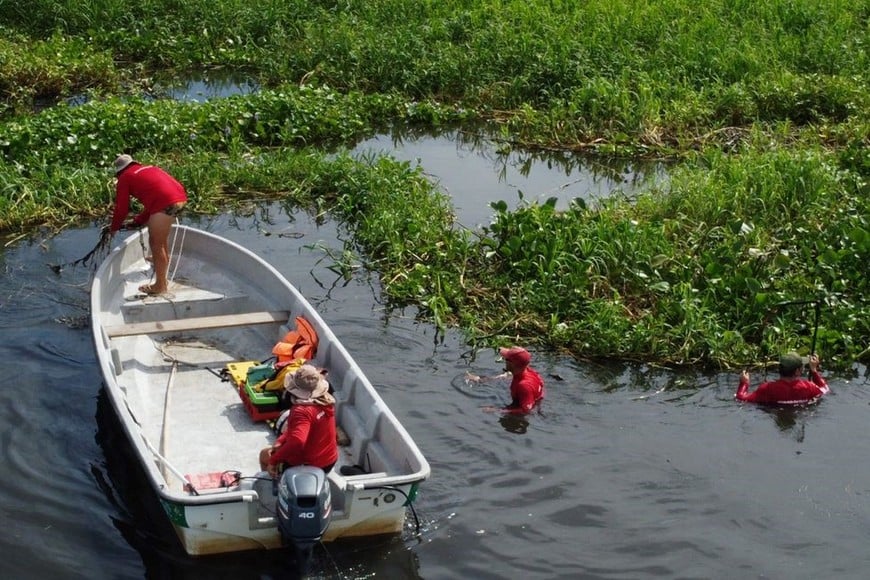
pixel 197 436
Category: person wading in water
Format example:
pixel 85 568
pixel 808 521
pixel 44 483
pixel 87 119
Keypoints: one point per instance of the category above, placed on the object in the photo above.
pixel 790 388
pixel 527 386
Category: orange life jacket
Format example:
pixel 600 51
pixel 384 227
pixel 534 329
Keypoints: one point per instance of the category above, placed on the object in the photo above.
pixel 297 344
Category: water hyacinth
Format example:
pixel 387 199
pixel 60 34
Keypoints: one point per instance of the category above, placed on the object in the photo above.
pixel 761 106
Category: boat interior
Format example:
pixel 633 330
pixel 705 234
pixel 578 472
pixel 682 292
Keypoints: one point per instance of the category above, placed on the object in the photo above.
pixel 169 353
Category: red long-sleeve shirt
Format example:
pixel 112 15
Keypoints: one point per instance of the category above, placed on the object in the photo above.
pixel 152 186
pixel 527 388
pixel 784 391
pixel 309 438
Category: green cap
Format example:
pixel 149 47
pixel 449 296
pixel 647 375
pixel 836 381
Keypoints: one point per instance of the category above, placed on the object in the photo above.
pixel 790 362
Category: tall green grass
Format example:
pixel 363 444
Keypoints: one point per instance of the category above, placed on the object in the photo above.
pixel 38 150
pixel 656 74
pixel 36 70
pixel 691 272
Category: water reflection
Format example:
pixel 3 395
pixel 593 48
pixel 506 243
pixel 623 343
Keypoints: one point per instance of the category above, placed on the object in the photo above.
pixel 789 420
pixel 486 141
pixel 653 487
pixel 205 86
pixel 517 424
pixel 476 168
pixel 197 87
pixel 647 378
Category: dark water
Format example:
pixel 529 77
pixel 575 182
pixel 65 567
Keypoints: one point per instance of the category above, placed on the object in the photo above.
pixel 627 471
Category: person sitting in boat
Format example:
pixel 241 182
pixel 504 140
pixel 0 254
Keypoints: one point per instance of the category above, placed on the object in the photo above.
pixel 310 435
pixel 790 388
pixel 163 198
pixel 527 386
pixel 286 400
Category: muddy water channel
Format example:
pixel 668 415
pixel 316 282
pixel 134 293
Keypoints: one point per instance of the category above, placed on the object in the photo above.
pixel 626 471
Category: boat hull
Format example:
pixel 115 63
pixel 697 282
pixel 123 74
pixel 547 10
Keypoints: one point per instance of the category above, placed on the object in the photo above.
pixel 160 358
pixel 203 531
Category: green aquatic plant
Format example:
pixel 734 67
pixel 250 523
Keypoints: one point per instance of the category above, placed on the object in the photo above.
pixel 692 271
pixel 39 72
pixel 648 77
pixel 59 142
pixel 764 104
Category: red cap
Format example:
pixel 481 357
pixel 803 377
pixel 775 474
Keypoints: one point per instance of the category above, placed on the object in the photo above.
pixel 517 355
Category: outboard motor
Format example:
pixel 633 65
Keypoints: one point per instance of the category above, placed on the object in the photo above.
pixel 304 510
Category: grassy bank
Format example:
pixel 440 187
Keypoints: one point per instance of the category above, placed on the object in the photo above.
pixel 657 76
pixel 764 105
pixel 56 164
pixel 694 270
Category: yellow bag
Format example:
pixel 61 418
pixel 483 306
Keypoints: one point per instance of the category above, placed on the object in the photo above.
pixel 276 383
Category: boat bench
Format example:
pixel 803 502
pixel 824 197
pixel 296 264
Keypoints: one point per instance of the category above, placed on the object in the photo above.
pixel 199 323
pixel 365 450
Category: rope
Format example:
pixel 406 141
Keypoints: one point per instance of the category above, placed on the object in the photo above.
pixel 164 432
pixel 332 560
pixel 170 277
pixel 175 360
pixel 172 249
pixel 165 464
pixel 145 254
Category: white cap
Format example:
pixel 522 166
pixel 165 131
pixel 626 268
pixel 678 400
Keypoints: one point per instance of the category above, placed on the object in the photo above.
pixel 121 162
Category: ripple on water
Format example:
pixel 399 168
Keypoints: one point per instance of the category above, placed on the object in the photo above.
pixel 612 478
pixel 483 390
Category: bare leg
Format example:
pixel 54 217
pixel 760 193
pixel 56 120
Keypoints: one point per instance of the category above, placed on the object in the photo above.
pixel 159 225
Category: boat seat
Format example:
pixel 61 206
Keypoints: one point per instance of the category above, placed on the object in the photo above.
pixel 186 305
pixel 343 482
pixel 198 323
pixel 374 458
pixel 352 424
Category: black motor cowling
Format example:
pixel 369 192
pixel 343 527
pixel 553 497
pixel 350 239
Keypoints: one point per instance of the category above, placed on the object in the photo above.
pixel 304 509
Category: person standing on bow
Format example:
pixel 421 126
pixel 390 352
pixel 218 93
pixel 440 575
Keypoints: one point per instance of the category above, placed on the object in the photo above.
pixel 790 388
pixel 309 437
pixel 162 198
pixel 527 386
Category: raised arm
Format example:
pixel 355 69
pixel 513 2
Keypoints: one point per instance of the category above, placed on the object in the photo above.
pixel 743 393
pixel 815 376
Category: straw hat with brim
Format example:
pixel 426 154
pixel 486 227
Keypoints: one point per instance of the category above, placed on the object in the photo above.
pixel 306 383
pixel 790 362
pixel 121 163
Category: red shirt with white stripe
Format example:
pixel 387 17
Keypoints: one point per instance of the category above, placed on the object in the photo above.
pixel 784 391
pixel 152 186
